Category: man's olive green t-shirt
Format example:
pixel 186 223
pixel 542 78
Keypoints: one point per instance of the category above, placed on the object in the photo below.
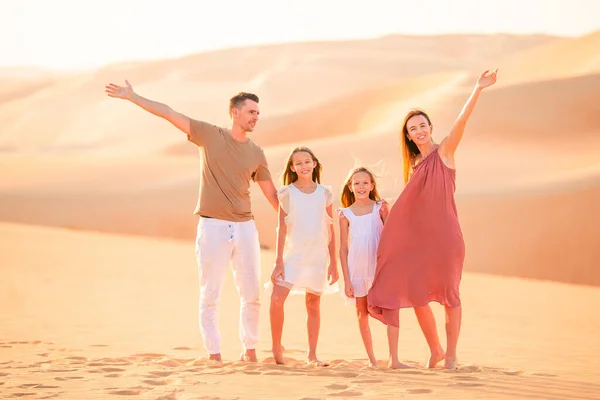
pixel 227 166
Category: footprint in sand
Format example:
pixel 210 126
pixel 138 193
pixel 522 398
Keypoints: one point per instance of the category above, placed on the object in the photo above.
pixel 167 362
pixel 544 375
pixel 98 345
pixel 182 348
pixel 336 386
pixel 252 372
pixel 127 392
pixel 149 355
pixel 67 378
pixel 50 396
pixel 64 370
pixel 335 374
pixel 466 368
pixel 368 381
pixel 169 396
pixel 347 393
pixel 419 391
pixel 37 386
pixel 105 362
pixel 22 394
pixel 161 374
pixel 156 382
pixel 468 384
pixel 162 382
pixel 112 369
pixel 76 360
pixel 465 378
pixel 513 372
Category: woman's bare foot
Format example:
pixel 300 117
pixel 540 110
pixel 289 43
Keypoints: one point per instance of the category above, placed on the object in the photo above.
pixel 249 356
pixel 316 362
pixel 394 364
pixel 436 357
pixel 215 357
pixel 450 364
pixel 278 355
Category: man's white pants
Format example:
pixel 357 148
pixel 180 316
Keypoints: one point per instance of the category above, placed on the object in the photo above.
pixel 218 243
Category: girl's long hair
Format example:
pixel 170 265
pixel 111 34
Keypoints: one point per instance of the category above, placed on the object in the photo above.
pixel 348 196
pixel 409 149
pixel 290 176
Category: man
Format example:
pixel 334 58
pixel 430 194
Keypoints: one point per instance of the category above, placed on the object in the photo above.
pixel 226 230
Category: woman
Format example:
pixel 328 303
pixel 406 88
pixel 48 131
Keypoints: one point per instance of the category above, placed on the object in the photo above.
pixel 421 250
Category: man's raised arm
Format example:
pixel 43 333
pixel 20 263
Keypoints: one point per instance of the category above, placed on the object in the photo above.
pixel 159 109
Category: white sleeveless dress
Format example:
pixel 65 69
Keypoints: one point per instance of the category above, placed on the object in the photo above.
pixel 306 253
pixel 363 237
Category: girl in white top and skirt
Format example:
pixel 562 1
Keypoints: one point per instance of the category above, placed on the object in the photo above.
pixel 305 249
pixel 361 222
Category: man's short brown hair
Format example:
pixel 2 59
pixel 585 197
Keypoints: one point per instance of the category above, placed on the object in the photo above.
pixel 238 100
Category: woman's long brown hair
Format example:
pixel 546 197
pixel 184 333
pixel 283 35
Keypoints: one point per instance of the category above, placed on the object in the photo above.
pixel 409 149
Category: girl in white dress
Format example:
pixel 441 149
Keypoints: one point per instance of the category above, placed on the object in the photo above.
pixel 305 252
pixel 361 222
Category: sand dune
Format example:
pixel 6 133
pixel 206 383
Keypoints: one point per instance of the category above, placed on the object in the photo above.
pixel 75 116
pixel 120 331
pixel 527 129
pixel 358 113
pixel 554 60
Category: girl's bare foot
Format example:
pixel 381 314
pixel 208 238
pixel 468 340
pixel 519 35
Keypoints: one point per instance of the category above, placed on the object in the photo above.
pixel 372 364
pixel 316 362
pixel 215 357
pixel 278 355
pixel 249 356
pixel 436 357
pixel 450 364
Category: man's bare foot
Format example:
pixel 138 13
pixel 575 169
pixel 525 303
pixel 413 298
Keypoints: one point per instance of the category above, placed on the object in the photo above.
pixel 450 364
pixel 215 357
pixel 278 355
pixel 435 358
pixel 316 362
pixel 398 365
pixel 249 356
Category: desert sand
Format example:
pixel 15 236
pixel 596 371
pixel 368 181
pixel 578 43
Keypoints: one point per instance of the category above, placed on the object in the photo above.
pixel 98 278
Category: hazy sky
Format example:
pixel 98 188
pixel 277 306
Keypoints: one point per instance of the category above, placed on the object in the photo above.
pixel 73 34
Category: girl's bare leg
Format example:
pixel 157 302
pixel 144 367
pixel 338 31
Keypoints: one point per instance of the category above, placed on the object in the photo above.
pixel 313 324
pixel 393 332
pixel 278 297
pixel 365 332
